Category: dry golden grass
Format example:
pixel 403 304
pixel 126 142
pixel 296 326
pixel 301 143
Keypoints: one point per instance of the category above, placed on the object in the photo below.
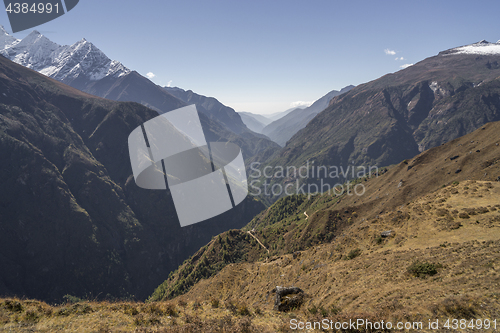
pixel 33 316
pixel 465 252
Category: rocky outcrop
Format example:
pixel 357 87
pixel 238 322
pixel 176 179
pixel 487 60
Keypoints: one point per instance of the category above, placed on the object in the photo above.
pixel 288 298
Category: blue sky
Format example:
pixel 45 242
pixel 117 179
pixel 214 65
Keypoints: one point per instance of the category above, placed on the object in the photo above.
pixel 262 56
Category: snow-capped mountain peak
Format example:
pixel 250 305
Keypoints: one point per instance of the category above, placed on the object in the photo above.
pixel 482 47
pixel 33 51
pixel 6 40
pixel 63 63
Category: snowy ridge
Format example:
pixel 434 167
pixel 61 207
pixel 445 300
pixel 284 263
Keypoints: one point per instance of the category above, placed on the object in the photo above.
pixel 63 63
pixel 483 47
pixel 6 40
pixel 34 51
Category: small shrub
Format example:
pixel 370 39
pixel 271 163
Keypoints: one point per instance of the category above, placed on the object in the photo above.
pixel 130 310
pixel 379 240
pixel 422 269
pixel 77 308
pixel 323 312
pixel 313 310
pixel 31 315
pixel 13 305
pixel 482 210
pixel 229 304
pixel 142 320
pixel 457 307
pixel 72 299
pixel 152 308
pixel 335 310
pixel 189 319
pixel 196 305
pixel 214 302
pixel 182 303
pixel 170 310
pixel 245 326
pixel 442 212
pixel 243 310
pixel 353 254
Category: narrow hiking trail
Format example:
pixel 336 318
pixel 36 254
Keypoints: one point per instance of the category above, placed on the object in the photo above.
pixel 250 233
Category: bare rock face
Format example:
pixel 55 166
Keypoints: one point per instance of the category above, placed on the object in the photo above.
pixel 288 298
pixel 386 234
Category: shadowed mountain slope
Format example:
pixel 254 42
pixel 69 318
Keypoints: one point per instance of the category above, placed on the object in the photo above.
pixel 72 219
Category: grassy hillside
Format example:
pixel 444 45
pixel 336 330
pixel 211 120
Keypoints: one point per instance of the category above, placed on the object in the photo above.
pixel 86 316
pixel 284 228
pixel 440 261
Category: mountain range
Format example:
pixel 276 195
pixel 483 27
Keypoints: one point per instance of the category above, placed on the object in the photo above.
pixel 73 221
pixel 395 117
pixel 85 67
pixel 212 107
pixel 257 122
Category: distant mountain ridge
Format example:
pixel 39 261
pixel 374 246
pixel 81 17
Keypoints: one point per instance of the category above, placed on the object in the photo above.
pixel 6 40
pixel 257 122
pixel 254 121
pixel 401 114
pixel 284 128
pixel 277 115
pixel 85 67
pixel 211 107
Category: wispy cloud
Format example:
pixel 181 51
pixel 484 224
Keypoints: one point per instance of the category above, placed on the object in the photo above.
pixel 405 66
pixel 150 75
pixel 389 52
pixel 299 104
pixel 400 58
pixel 169 83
